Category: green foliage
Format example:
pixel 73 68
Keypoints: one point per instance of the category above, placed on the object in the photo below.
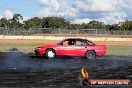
pixel 96 25
pixel 3 22
pixel 113 27
pixel 91 25
pixel 59 23
pixel 34 22
pixel 127 25
pixel 54 22
pixel 15 21
pixel 74 26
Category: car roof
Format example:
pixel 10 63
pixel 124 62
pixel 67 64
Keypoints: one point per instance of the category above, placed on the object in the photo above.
pixel 75 39
pixel 78 39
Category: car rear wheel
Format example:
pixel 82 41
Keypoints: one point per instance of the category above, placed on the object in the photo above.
pixel 50 54
pixel 90 55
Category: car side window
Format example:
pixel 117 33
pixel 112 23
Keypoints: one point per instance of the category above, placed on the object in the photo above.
pixel 65 43
pixel 90 44
pixel 79 42
pixel 83 43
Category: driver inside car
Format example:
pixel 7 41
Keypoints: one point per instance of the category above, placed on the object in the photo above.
pixel 71 43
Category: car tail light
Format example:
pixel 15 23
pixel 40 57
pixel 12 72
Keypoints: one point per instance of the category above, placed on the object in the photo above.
pixel 105 47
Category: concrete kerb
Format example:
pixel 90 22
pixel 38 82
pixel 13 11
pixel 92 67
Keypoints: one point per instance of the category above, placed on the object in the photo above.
pixel 60 38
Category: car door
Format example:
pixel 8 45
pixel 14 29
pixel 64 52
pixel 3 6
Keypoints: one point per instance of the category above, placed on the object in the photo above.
pixel 80 48
pixel 65 49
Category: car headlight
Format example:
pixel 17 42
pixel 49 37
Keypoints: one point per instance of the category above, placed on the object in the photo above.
pixel 37 48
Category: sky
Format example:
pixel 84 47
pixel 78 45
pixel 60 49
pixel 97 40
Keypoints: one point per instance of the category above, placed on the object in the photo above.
pixel 76 11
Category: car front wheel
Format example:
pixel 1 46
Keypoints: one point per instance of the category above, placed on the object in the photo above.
pixel 50 54
pixel 90 55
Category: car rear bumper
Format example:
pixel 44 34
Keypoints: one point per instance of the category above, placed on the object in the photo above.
pixel 101 52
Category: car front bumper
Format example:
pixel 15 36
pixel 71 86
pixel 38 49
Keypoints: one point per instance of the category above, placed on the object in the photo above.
pixel 39 52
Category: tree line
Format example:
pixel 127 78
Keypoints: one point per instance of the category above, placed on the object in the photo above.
pixel 59 22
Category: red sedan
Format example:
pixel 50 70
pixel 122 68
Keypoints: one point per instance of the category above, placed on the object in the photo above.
pixel 72 47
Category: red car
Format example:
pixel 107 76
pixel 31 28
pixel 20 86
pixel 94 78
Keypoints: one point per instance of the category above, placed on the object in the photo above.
pixel 72 47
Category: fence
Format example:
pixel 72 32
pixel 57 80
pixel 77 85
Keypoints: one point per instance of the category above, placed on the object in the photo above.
pixel 61 31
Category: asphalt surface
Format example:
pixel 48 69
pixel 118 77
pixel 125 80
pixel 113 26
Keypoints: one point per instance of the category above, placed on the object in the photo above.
pixel 28 70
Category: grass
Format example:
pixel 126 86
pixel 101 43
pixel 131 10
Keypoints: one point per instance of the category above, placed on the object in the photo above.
pixel 119 50
pixel 21 47
pixel 26 48
pixel 88 35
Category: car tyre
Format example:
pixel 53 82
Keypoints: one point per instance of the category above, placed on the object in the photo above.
pixel 90 55
pixel 50 54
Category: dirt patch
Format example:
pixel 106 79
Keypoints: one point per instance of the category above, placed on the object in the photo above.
pixel 35 41
pixel 115 43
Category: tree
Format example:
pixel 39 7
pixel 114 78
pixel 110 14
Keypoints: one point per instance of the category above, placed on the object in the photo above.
pixel 113 27
pixel 96 25
pixel 127 25
pixel 74 26
pixel 15 21
pixel 17 17
pixel 34 22
pixel 3 22
pixel 54 22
